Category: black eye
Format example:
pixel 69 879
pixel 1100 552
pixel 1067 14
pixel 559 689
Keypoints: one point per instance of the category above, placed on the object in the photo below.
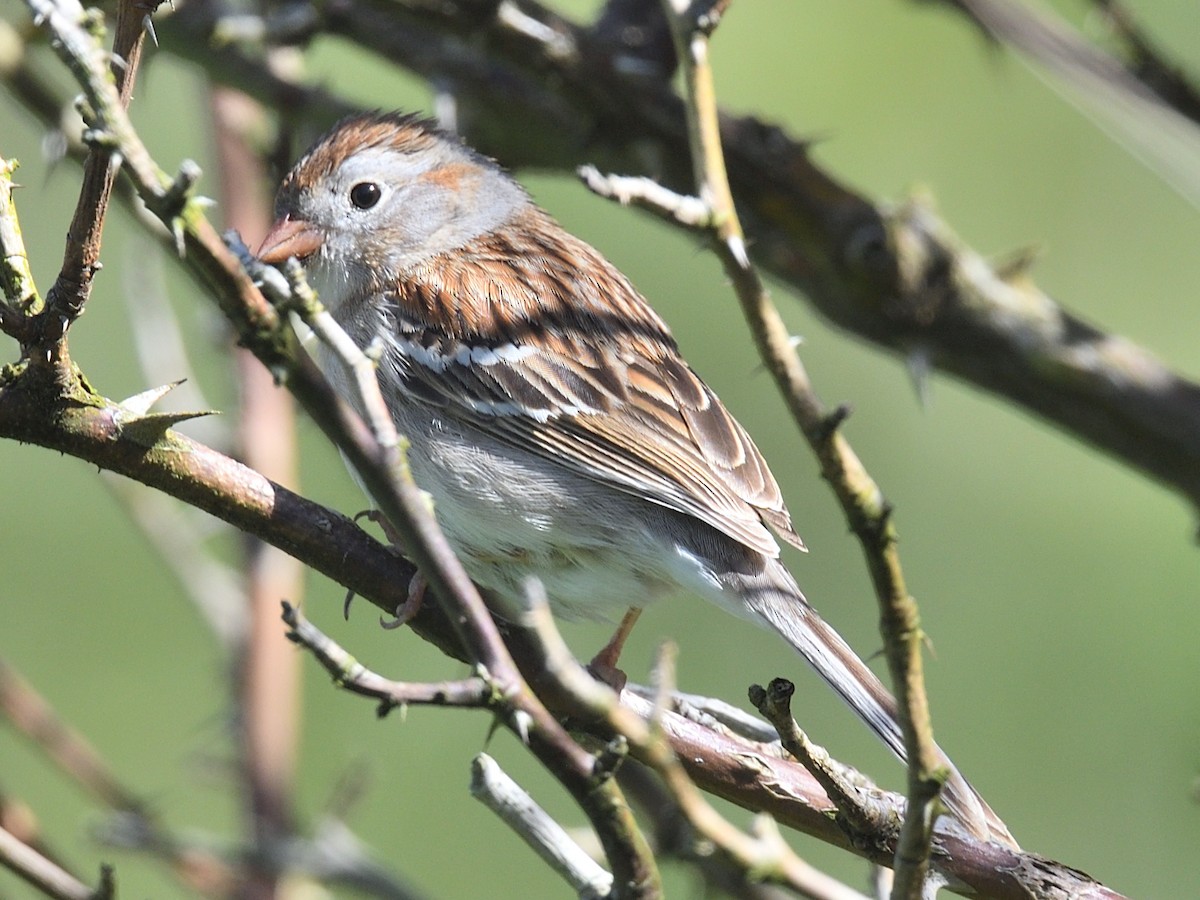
pixel 365 194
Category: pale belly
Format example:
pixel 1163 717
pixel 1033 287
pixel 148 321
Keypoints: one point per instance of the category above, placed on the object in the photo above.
pixel 511 515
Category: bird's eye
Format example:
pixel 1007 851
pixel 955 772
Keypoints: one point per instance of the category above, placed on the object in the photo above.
pixel 365 194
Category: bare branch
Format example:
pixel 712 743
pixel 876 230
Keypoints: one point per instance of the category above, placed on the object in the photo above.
pixel 859 802
pixel 1149 63
pixel 46 876
pixel 503 796
pixel 267 673
pixel 348 673
pixel 71 289
pixel 859 496
pixel 30 714
pixel 22 706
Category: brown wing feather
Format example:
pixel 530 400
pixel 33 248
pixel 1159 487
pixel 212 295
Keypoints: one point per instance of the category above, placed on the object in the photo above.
pixel 626 409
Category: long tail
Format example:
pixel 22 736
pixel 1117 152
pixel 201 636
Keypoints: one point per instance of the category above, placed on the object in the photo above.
pixel 773 597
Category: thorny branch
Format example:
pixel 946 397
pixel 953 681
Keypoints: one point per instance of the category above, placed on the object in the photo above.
pixel 71 289
pixel 859 496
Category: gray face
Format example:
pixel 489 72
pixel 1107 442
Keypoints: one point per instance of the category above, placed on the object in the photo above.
pixel 382 211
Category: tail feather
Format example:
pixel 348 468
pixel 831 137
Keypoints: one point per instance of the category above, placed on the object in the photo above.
pixel 782 606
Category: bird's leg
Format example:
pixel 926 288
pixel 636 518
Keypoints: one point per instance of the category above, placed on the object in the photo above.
pixel 604 663
pixel 374 515
pixel 405 612
pixel 411 606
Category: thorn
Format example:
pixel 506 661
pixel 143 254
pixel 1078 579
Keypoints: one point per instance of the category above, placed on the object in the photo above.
pixel 794 342
pixel 1018 264
pixel 385 707
pixel 521 722
pixel 148 25
pixel 148 430
pixel 919 365
pixel 833 421
pixel 737 247
pixel 54 147
pixel 176 196
pixel 98 138
pixel 140 404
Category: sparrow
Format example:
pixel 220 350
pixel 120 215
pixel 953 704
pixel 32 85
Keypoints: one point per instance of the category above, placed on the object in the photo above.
pixel 550 415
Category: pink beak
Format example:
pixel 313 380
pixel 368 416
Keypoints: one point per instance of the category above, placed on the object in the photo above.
pixel 289 237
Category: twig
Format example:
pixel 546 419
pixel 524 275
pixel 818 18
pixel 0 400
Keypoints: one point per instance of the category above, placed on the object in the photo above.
pixel 348 673
pixel 860 497
pixel 335 855
pixel 675 838
pixel 503 796
pixel 18 292
pixel 70 291
pixel 862 806
pixel 607 811
pixel 711 712
pixel 30 714
pixel 645 193
pixel 47 876
pixel 1146 75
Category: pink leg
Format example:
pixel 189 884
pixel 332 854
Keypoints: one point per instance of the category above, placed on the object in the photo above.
pixel 410 607
pixel 604 663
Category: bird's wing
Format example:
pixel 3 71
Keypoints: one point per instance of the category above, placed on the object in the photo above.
pixel 580 371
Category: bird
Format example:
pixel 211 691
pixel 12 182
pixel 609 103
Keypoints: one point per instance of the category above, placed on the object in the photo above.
pixel 549 413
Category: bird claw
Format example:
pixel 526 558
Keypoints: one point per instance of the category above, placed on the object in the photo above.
pixel 407 610
pixel 378 518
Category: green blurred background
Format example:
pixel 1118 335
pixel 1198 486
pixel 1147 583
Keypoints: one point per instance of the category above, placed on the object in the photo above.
pixel 1058 588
